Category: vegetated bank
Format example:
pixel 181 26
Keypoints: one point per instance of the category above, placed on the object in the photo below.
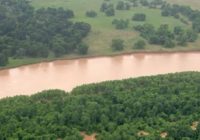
pixel 155 107
pixel 34 31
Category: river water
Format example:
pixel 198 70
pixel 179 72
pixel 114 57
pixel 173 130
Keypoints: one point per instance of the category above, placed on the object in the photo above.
pixel 67 74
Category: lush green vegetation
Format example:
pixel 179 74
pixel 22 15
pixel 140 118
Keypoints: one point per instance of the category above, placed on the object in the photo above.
pixel 25 32
pixel 140 44
pixel 103 32
pixel 110 16
pixel 141 108
pixel 117 44
pixel 139 17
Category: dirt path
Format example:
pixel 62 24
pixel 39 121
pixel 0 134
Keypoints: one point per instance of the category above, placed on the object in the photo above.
pixel 142 133
pixel 88 137
pixel 163 134
pixel 194 125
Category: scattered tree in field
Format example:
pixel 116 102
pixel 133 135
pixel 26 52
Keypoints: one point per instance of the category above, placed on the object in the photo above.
pixel 140 44
pixel 117 44
pixel 121 5
pixel 108 9
pixel 91 13
pixel 144 2
pixel 104 7
pixel 139 17
pixel 120 24
pixel 82 48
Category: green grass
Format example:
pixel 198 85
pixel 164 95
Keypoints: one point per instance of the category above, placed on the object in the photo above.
pixel 195 4
pixel 103 31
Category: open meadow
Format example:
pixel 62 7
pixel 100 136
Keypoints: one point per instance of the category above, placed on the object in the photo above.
pixel 103 31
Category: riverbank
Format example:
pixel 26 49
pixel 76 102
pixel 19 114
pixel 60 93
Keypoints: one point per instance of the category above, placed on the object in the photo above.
pixel 67 74
pixel 14 63
pixel 28 61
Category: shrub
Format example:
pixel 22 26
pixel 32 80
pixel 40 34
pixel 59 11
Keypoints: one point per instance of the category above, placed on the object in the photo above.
pixel 117 44
pixel 140 44
pixel 91 13
pixel 82 48
pixel 139 17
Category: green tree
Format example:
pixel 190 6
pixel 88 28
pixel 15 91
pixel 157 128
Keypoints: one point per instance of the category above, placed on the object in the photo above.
pixel 169 43
pixel 120 5
pixel 120 24
pixel 91 13
pixel 110 11
pixel 140 44
pixel 82 48
pixel 3 59
pixel 117 44
pixel 139 17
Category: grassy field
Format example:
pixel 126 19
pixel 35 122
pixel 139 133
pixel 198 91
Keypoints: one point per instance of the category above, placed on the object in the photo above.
pixel 195 4
pixel 103 31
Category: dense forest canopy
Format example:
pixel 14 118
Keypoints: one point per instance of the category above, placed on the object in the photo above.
pixel 133 109
pixel 26 32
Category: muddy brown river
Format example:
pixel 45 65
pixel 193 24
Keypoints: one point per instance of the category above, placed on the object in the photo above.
pixel 67 74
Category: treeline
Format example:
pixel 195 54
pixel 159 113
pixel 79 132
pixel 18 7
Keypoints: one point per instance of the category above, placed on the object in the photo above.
pixel 26 32
pixel 142 108
pixel 177 10
pixel 164 36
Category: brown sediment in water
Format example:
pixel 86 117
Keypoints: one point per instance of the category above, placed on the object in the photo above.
pixel 67 74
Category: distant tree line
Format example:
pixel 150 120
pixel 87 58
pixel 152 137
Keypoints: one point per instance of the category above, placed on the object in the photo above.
pixel 164 36
pixel 26 32
pixel 115 110
pixel 175 10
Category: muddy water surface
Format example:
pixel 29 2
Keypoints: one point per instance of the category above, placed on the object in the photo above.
pixel 67 74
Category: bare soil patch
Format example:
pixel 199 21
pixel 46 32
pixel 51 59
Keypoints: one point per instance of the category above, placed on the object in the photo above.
pixel 194 125
pixel 163 134
pixel 142 133
pixel 88 137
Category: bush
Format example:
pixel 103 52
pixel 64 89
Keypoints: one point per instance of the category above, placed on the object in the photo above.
pixel 3 59
pixel 139 17
pixel 140 44
pixel 91 13
pixel 169 44
pixel 117 44
pixel 120 24
pixel 123 6
pixel 110 11
pixel 82 48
